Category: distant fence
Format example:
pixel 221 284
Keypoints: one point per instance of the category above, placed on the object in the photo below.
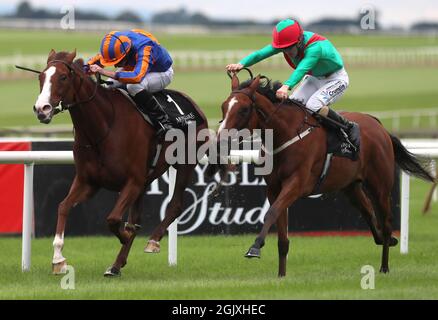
pixel 412 122
pixel 204 60
pixel 414 119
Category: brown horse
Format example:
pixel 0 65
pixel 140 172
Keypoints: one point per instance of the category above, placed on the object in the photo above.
pixel 298 166
pixel 113 148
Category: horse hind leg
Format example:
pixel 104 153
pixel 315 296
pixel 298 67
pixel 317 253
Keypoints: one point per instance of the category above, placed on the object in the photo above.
pixel 384 205
pixel 131 228
pixel 360 200
pixel 174 208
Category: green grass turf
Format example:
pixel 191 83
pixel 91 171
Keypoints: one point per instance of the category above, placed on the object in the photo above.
pixel 372 89
pixel 31 42
pixel 213 267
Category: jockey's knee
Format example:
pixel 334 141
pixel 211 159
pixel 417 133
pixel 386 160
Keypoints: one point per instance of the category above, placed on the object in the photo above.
pixel 324 111
pixel 315 105
pixel 134 88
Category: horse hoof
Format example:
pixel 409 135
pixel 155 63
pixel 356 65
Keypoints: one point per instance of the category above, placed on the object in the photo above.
pixel 112 272
pixel 384 270
pixel 393 242
pixel 152 247
pixel 59 268
pixel 253 253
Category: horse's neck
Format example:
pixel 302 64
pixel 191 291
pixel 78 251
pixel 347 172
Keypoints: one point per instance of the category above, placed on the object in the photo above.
pixel 285 121
pixel 92 119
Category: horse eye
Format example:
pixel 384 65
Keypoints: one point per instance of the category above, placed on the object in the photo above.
pixel 63 77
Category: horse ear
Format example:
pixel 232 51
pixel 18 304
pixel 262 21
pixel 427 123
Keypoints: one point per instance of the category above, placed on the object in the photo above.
pixel 255 84
pixel 71 56
pixel 234 82
pixel 51 55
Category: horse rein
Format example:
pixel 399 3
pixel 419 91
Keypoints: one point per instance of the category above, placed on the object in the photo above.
pixel 300 132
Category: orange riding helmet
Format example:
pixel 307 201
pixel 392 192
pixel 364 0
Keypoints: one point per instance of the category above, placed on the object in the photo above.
pixel 286 33
pixel 114 48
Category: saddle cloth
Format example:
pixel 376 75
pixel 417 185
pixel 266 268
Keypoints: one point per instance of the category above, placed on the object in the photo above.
pixel 179 108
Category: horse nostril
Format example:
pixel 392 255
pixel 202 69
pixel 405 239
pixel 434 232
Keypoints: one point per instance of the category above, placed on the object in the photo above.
pixel 41 116
pixel 34 109
pixel 47 108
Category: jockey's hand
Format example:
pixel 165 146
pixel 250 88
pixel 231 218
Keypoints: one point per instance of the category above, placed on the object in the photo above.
pixel 282 93
pixel 95 68
pixel 234 67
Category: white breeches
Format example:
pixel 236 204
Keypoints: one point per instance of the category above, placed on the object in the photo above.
pixel 152 82
pixel 317 92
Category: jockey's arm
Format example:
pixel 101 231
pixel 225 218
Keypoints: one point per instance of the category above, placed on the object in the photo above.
pixel 94 60
pixel 95 66
pixel 140 69
pixel 259 55
pixel 309 61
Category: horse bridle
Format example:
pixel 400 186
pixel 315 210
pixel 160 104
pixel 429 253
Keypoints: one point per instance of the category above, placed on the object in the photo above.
pixel 69 106
pixel 62 106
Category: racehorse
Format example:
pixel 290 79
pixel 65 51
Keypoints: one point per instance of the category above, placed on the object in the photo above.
pixel 113 149
pixel 299 153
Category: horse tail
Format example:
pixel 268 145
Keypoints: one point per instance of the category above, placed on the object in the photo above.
pixel 409 162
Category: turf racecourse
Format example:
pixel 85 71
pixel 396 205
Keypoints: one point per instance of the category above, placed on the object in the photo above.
pixel 213 267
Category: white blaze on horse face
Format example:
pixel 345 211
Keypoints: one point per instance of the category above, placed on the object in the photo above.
pixel 231 104
pixel 46 92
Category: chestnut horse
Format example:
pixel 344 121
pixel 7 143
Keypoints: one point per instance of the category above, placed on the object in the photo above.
pixel 297 165
pixel 113 148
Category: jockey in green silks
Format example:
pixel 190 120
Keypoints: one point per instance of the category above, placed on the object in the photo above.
pixel 319 78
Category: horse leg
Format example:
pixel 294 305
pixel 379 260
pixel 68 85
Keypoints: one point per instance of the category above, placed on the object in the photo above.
pixel 174 208
pixel 288 194
pixel 283 242
pixel 384 205
pixel 360 200
pixel 79 192
pixel 129 194
pixel 131 228
pixel 282 231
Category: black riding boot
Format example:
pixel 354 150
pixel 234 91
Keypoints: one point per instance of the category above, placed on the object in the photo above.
pixel 351 128
pixel 149 106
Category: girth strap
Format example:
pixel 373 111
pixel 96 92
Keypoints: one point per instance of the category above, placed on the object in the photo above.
pixel 289 142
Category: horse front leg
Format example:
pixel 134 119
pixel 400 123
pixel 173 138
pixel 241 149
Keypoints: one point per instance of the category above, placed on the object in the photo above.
pixel 282 229
pixel 128 195
pixel 289 193
pixel 79 192
pixel 283 242
pixel 131 228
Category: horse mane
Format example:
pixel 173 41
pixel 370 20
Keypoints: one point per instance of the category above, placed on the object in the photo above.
pixel 267 88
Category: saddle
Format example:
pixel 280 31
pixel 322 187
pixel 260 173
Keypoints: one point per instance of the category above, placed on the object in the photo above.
pixel 337 145
pixel 177 106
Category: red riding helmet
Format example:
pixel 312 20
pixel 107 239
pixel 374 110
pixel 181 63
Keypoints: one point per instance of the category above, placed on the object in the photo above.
pixel 286 33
